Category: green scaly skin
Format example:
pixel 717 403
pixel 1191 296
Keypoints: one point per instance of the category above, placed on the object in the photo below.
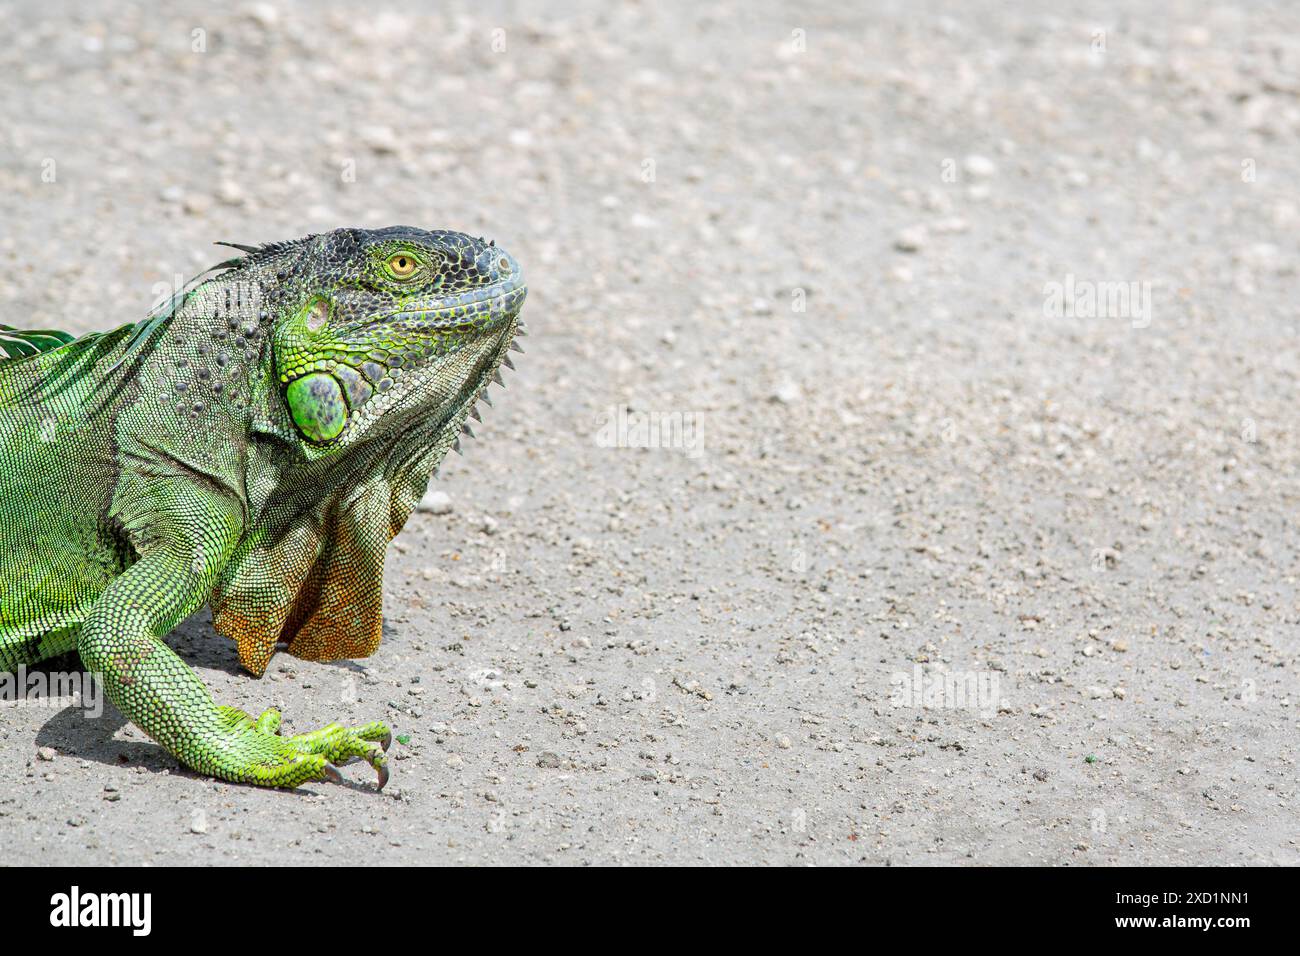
pixel 254 444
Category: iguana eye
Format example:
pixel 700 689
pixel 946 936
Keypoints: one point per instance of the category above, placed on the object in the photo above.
pixel 401 265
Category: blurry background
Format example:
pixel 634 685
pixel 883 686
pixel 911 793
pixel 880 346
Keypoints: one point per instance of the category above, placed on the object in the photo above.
pixel 828 244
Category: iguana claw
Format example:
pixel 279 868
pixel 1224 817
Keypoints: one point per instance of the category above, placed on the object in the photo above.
pixel 341 746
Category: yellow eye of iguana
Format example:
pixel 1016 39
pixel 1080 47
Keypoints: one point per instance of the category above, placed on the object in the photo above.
pixel 401 265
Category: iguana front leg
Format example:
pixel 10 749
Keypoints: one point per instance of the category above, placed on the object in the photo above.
pixel 121 641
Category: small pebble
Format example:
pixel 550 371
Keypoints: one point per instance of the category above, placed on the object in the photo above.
pixel 979 166
pixel 910 240
pixel 436 502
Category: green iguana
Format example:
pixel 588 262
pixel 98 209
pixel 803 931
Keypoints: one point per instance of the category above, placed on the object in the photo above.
pixel 253 444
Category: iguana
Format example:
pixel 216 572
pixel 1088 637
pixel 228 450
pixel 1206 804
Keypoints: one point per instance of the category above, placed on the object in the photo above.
pixel 253 444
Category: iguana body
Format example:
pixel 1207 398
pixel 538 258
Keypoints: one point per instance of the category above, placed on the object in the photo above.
pixel 254 444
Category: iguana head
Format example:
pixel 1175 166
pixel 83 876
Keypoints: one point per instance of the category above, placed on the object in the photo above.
pixel 389 329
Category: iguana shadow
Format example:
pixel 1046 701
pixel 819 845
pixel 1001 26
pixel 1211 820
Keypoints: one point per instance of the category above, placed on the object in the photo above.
pixel 85 728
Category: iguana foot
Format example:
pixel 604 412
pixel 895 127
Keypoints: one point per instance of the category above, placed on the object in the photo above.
pixel 257 754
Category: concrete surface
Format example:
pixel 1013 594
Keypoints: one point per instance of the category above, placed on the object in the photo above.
pixel 831 248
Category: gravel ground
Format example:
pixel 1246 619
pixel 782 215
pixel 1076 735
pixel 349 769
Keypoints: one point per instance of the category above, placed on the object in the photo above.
pixel 845 255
